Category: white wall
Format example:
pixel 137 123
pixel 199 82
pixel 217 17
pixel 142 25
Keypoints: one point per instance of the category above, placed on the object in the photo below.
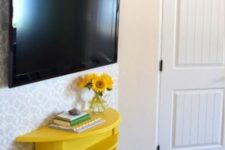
pixel 138 69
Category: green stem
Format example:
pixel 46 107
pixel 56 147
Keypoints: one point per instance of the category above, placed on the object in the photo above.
pixel 97 104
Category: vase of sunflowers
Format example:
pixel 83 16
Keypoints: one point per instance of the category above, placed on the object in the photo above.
pixel 98 83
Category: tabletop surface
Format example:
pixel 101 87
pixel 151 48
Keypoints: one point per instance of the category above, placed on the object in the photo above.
pixel 46 134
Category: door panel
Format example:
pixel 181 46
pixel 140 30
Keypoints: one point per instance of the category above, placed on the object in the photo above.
pixel 199 32
pixel 192 82
pixel 197 117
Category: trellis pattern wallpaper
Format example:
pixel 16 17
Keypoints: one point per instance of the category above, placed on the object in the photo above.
pixel 28 107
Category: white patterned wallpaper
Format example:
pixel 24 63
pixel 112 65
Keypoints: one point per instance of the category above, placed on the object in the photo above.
pixel 25 108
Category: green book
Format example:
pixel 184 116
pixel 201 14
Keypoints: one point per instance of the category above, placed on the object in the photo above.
pixel 71 123
pixel 67 117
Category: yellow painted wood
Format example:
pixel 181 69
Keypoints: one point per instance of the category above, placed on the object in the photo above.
pixel 102 137
pixel 49 146
pixel 84 143
pixel 109 143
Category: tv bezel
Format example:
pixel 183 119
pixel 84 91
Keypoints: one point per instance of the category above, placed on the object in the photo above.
pixel 11 53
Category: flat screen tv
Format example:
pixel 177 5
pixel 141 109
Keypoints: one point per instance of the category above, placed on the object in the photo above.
pixel 50 38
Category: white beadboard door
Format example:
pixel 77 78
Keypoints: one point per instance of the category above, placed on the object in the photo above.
pixel 191 109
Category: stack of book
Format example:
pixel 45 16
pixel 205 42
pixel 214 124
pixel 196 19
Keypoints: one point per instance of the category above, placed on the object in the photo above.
pixel 78 123
pixel 66 120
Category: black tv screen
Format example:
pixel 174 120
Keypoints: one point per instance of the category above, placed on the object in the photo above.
pixel 49 38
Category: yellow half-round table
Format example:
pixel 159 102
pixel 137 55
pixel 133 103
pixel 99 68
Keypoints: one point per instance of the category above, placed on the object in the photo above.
pixel 101 137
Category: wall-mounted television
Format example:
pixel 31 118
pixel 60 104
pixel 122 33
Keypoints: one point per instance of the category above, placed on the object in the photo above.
pixel 50 38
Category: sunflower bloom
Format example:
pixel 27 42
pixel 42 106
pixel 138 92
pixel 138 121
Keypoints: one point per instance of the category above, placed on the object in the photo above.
pixel 90 77
pixel 99 85
pixel 108 80
pixel 82 83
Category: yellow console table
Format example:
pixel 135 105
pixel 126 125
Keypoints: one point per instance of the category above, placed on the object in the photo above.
pixel 101 137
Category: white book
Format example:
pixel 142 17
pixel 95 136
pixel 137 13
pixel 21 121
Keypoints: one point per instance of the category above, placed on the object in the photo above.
pixel 67 117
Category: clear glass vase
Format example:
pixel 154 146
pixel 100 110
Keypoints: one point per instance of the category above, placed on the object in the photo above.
pixel 97 104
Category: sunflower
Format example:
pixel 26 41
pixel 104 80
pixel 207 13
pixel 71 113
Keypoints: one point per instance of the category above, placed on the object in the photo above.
pixel 90 77
pixel 82 83
pixel 99 84
pixel 86 81
pixel 109 81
